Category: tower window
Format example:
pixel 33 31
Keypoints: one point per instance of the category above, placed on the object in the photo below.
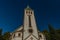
pixel 19 34
pixel 30 31
pixel 26 11
pixel 29 12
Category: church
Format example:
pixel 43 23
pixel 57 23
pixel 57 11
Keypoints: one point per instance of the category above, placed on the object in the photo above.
pixel 28 31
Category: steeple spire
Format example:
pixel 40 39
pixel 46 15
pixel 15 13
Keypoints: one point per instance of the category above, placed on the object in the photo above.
pixel 28 8
pixel 30 27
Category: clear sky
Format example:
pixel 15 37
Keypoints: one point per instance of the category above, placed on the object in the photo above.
pixel 46 12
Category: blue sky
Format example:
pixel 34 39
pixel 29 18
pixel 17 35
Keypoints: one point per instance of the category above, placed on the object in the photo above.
pixel 46 12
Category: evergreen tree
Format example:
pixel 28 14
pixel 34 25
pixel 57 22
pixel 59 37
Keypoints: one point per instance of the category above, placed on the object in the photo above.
pixel 1 34
pixel 52 33
pixel 58 34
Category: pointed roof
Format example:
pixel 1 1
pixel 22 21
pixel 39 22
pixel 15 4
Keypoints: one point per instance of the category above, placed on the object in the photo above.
pixel 28 8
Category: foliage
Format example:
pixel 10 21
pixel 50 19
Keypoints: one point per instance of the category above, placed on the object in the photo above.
pixel 52 34
pixel 47 35
pixel 5 36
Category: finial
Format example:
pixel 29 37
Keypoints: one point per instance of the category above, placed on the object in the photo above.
pixel 27 6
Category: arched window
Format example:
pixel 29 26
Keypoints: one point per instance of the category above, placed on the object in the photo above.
pixel 31 12
pixel 26 11
pixel 13 35
pixel 40 36
pixel 19 34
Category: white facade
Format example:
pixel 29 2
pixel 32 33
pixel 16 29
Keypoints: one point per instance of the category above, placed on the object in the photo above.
pixel 28 31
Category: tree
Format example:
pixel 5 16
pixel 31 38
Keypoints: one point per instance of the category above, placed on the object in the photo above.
pixel 1 38
pixel 47 35
pixel 6 35
pixel 53 35
pixel 58 34
pixel 0 31
pixel 52 32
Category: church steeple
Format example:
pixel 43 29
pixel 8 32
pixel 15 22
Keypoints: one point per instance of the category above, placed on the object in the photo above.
pixel 30 27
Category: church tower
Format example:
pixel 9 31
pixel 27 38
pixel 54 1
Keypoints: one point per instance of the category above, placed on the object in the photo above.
pixel 30 28
pixel 28 31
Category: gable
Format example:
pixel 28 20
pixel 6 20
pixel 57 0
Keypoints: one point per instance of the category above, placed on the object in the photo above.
pixel 18 29
pixel 31 37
